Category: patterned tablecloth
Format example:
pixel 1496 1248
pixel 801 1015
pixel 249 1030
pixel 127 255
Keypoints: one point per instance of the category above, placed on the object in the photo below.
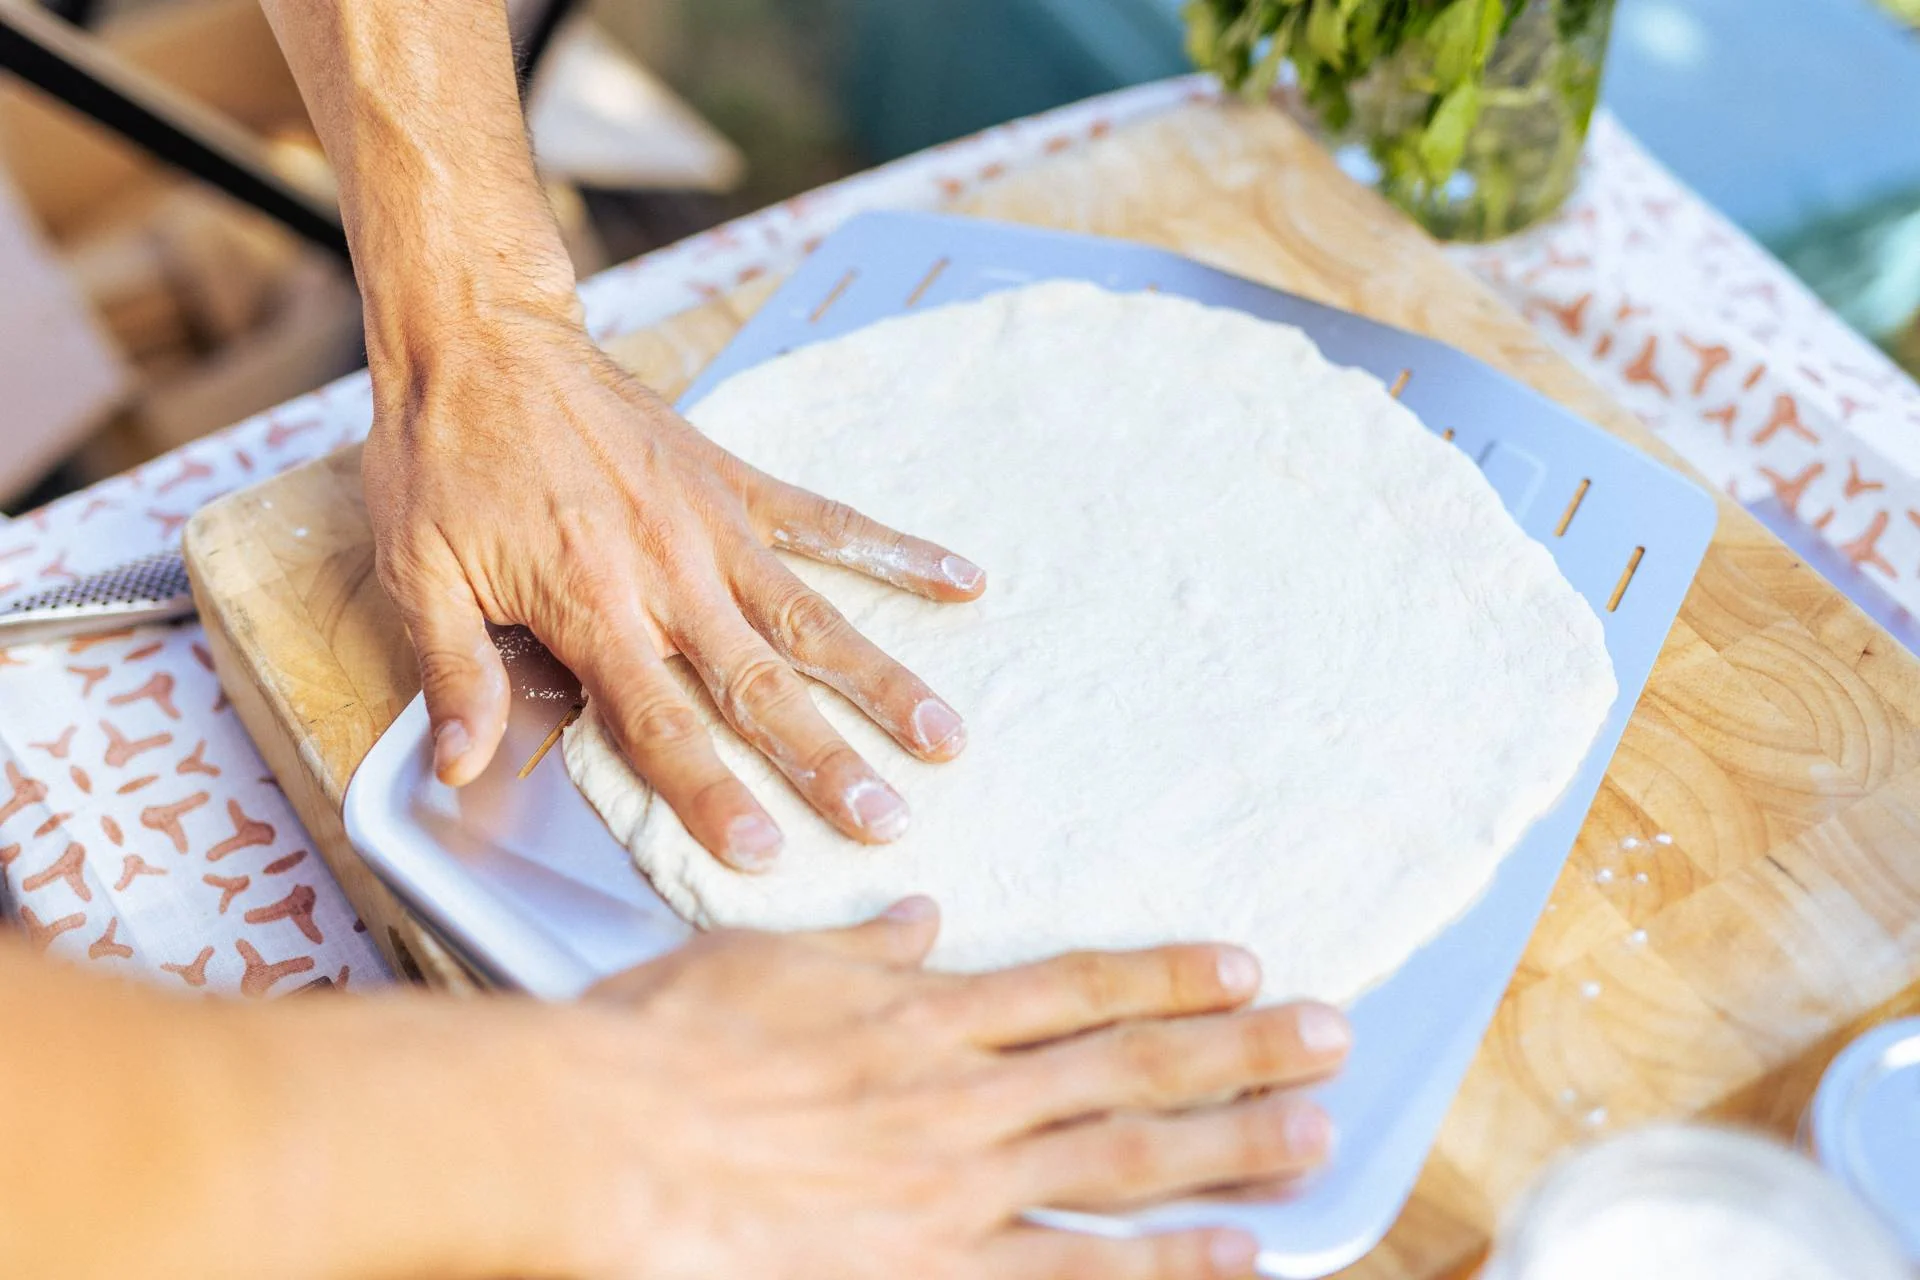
pixel 140 831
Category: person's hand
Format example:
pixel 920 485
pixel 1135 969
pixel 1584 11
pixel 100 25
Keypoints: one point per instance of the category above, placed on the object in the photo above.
pixel 819 1108
pixel 515 474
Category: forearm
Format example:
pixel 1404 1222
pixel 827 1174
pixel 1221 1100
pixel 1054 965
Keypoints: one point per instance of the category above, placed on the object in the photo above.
pixel 147 1135
pixel 125 1125
pixel 417 107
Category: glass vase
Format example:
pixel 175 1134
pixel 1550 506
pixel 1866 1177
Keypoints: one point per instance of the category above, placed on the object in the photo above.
pixel 1522 150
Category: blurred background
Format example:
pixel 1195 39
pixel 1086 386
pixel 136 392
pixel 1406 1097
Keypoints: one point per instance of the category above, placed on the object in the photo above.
pixel 139 309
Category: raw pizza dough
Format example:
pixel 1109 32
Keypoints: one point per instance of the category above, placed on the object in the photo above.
pixel 1260 659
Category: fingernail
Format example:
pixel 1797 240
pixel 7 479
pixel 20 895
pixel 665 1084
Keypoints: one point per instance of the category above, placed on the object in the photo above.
pixel 1307 1129
pixel 1239 971
pixel 1322 1030
pixel 936 725
pixel 450 742
pixel 911 910
pixel 877 809
pixel 752 842
pixel 1233 1254
pixel 964 574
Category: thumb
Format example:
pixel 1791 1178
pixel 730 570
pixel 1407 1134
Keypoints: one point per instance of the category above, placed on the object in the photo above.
pixel 462 676
pixel 901 936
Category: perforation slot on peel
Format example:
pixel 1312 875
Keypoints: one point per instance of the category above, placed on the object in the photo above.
pixel 926 283
pixel 1573 507
pixel 1626 579
pixel 826 303
pixel 547 743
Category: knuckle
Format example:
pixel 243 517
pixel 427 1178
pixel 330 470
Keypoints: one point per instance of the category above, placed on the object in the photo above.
pixel 761 685
pixel 1267 1046
pixel 401 569
pixel 924 1018
pixel 722 793
pixel 982 1176
pixel 1177 1258
pixel 1094 980
pixel 664 726
pixel 678 558
pixel 990 1096
pixel 928 1185
pixel 443 665
pixel 834 760
pixel 576 533
pixel 950 1008
pixel 972 1101
pixel 1188 975
pixel 391 571
pixel 1153 1066
pixel 892 689
pixel 808 623
pixel 837 522
pixel 596 584
pixel 1259 1141
pixel 1199 980
pixel 1133 1155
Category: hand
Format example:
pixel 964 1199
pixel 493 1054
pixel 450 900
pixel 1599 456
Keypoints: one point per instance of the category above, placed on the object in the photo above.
pixel 819 1108
pixel 516 475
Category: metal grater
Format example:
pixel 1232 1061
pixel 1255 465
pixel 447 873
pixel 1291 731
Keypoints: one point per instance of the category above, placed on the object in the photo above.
pixel 151 589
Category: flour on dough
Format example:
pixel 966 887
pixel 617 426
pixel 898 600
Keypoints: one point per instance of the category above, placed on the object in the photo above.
pixel 1260 659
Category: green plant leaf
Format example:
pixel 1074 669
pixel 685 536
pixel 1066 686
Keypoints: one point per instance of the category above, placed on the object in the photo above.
pixel 1399 159
pixel 1454 39
pixel 1329 99
pixel 1493 19
pixel 1327 32
pixel 1445 140
pixel 1203 32
pixel 1278 49
pixel 1364 34
pixel 1576 16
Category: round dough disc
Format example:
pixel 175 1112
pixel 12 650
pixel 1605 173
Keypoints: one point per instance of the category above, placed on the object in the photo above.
pixel 1260 660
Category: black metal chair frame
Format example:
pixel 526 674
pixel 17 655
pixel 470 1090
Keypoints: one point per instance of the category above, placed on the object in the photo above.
pixel 63 61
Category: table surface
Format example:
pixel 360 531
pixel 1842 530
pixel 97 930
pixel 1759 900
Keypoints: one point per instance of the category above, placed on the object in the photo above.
pixel 141 832
pixel 1740 898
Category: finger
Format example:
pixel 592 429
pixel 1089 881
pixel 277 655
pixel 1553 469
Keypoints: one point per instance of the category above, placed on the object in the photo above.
pixel 461 674
pixel 664 739
pixel 1034 1253
pixel 834 533
pixel 769 705
pixel 901 936
pixel 1083 990
pixel 1167 1066
pixel 1132 1159
pixel 805 629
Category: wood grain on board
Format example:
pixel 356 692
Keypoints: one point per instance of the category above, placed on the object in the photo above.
pixel 1745 893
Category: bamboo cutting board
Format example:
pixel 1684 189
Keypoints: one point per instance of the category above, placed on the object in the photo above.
pixel 1745 893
